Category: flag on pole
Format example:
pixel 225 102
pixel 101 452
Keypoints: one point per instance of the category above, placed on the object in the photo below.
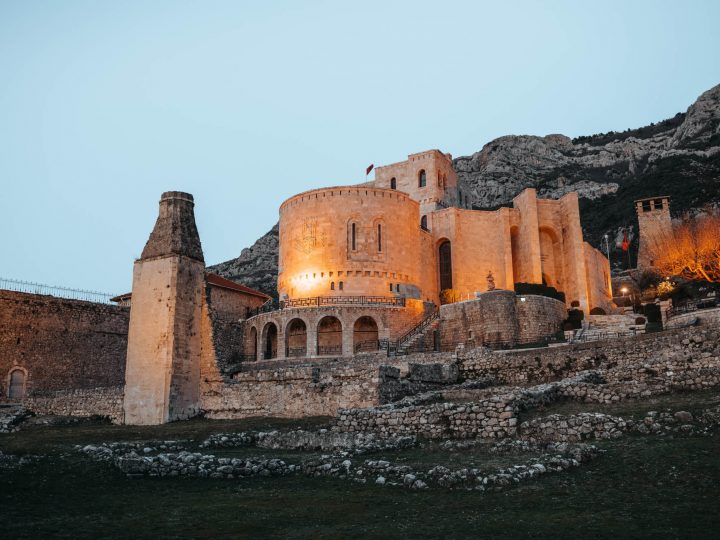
pixel 370 168
pixel 626 242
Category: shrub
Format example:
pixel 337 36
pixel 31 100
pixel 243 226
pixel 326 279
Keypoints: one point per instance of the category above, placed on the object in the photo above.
pixel 640 320
pixel 449 296
pixel 597 311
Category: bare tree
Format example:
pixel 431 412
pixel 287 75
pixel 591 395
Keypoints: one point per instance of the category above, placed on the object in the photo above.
pixel 691 248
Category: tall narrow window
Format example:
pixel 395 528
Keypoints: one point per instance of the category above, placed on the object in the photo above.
pixel 391 287
pixel 340 285
pixel 422 178
pixel 445 260
pixel 423 223
pixel 332 285
pixel 393 183
pixel 379 238
pixel 352 234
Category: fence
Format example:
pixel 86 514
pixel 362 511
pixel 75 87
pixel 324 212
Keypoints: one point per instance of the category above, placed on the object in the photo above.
pixel 60 292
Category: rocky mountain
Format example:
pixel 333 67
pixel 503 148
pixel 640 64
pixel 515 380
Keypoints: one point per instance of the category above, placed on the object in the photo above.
pixel 678 157
pixel 257 266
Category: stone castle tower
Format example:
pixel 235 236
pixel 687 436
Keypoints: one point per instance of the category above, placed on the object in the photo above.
pixel 162 375
pixel 654 223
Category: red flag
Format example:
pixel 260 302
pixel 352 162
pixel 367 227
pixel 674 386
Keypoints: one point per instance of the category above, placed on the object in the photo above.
pixel 626 242
pixel 370 168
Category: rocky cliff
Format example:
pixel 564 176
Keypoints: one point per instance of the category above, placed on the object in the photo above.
pixel 679 157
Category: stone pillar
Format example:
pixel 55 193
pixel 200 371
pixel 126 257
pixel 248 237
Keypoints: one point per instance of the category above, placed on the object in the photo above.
pixel 575 265
pixel 529 236
pixel 162 374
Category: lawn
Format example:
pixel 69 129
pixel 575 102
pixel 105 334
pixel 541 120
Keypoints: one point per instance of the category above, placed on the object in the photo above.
pixel 663 487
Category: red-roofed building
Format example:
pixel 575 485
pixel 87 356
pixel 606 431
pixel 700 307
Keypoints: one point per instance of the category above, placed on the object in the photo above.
pixel 227 298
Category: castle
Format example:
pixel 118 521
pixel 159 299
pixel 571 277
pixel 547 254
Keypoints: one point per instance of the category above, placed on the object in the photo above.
pixel 365 272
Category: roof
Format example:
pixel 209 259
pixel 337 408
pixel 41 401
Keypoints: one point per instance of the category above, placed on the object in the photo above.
pixel 219 281
pixel 216 281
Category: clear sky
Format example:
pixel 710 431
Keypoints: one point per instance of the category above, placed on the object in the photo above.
pixel 105 105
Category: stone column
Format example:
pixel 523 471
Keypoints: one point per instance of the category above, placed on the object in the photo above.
pixel 162 373
pixel 529 236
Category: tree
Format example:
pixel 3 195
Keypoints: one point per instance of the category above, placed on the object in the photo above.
pixel 691 248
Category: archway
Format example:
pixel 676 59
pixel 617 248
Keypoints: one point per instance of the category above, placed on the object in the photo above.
pixel 296 338
pixel 270 335
pixel 551 258
pixel 253 344
pixel 365 334
pixel 445 265
pixel 16 386
pixel 329 336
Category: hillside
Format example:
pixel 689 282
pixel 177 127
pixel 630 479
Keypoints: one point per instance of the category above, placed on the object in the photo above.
pixel 679 157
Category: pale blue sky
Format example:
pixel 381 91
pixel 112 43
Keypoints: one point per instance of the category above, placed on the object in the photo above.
pixel 104 105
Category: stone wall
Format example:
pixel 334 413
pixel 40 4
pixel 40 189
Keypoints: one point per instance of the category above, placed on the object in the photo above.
pixel 107 402
pixel 625 358
pixel 318 388
pixel 702 316
pixel 499 318
pixel 60 343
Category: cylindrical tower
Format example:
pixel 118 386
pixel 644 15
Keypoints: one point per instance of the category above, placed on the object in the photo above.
pixel 349 241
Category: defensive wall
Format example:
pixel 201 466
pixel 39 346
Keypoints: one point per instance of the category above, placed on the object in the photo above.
pixel 55 344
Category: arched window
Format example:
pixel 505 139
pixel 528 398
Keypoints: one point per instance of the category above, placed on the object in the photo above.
pixel 379 237
pixel 422 178
pixel 423 223
pixel 445 263
pixel 353 236
pixel 340 285
pixel 332 285
pixel 393 183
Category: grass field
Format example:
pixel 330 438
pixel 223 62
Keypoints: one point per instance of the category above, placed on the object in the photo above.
pixel 642 487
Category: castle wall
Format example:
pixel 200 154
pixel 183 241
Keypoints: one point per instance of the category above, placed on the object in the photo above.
pixel 499 318
pixel 598 279
pixel 61 343
pixel 316 248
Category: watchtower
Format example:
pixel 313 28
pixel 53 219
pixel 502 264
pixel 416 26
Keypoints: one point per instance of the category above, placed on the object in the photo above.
pixel 655 226
pixel 162 374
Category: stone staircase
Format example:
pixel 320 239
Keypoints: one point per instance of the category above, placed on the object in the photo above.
pixel 419 338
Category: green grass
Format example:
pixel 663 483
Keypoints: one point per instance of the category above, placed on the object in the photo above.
pixel 688 401
pixel 643 487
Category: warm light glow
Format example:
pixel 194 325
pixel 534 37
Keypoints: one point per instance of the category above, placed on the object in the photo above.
pixel 624 290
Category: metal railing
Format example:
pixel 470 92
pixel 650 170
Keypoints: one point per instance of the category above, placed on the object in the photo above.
pixel 327 350
pixel 419 327
pixel 52 290
pixel 371 345
pixel 317 301
pixel 294 352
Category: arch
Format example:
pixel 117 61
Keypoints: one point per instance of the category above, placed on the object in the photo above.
pixel 296 338
pixel 17 379
pixel 422 178
pixel 423 223
pixel 269 340
pixel 332 285
pixel 329 336
pixel 253 343
pixel 551 257
pixel 365 334
pixel 393 183
pixel 445 265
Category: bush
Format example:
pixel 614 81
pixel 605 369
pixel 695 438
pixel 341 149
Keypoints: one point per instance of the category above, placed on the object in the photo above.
pixel 574 320
pixel 652 312
pixel 540 290
pixel 640 320
pixel 649 278
pixel 597 311
pixel 449 296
